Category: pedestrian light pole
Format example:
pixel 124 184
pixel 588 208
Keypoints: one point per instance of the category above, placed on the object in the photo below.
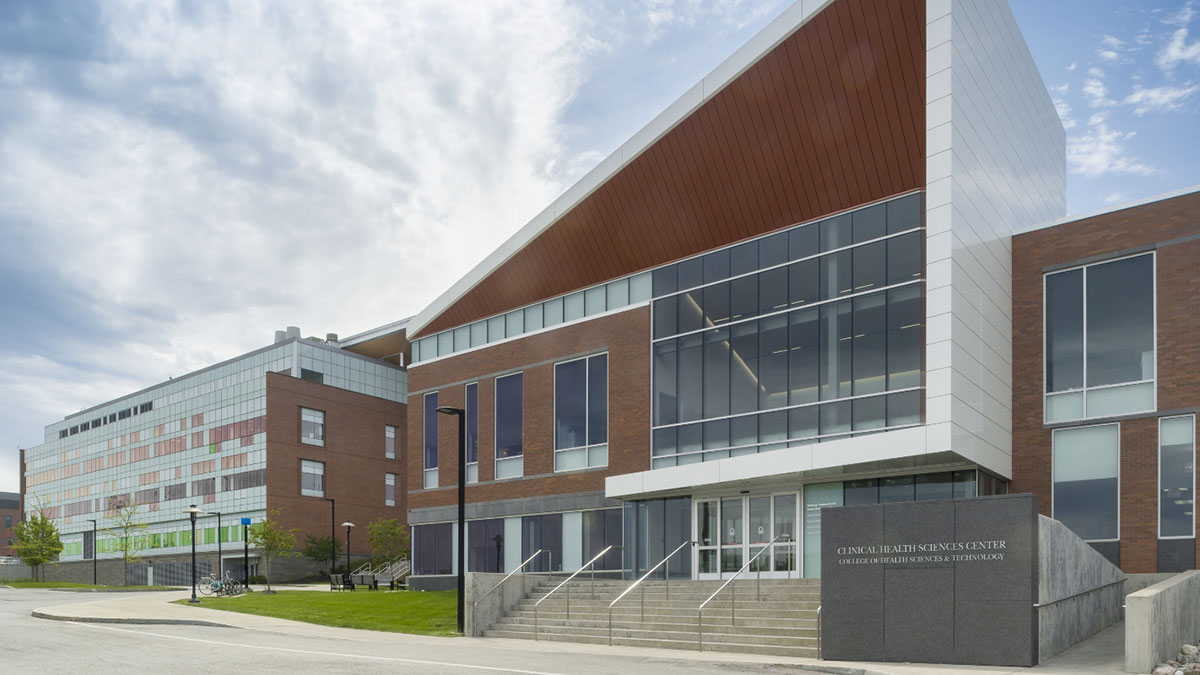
pixel 93 522
pixel 462 509
pixel 192 512
pixel 347 525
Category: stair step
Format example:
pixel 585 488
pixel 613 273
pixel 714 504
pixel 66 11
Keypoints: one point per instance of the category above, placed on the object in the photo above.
pixel 715 620
pixel 767 635
pixel 748 647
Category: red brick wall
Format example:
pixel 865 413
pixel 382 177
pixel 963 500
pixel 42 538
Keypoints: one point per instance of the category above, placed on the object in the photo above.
pixel 353 455
pixel 1178 352
pixel 626 338
pixel 7 533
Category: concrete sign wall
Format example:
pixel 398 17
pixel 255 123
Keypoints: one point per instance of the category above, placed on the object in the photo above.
pixel 951 581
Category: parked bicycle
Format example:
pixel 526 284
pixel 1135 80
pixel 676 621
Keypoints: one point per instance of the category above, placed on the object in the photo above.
pixel 226 585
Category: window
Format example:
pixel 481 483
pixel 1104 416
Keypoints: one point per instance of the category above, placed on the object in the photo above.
pixel 485 545
pixel 244 480
pixel 312 376
pixel 430 423
pixel 581 413
pixel 804 335
pixel 1100 355
pixel 389 442
pixel 1176 476
pixel 8 521
pixel 432 549
pixel 510 408
pixel 1086 480
pixel 542 532
pixel 312 427
pixel 206 486
pixel 312 478
pixel 389 489
pixel 471 406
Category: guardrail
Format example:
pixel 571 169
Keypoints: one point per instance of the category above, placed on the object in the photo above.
pixel 592 564
pixel 637 583
pixel 549 571
pixel 733 604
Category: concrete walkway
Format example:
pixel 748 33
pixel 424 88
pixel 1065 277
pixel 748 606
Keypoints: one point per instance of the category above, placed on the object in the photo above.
pixel 1101 655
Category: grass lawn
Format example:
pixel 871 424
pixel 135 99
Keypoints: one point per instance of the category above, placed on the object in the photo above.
pixel 429 613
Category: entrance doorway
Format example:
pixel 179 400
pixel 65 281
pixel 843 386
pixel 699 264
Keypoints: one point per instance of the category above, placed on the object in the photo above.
pixel 732 530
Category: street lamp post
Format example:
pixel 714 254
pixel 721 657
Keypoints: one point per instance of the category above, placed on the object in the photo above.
pixel 332 537
pixel 220 562
pixel 192 512
pixel 93 522
pixel 347 525
pixel 462 500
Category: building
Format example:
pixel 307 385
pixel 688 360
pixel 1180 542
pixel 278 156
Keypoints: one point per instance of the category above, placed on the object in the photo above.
pixel 291 427
pixel 1106 374
pixel 10 513
pixel 790 290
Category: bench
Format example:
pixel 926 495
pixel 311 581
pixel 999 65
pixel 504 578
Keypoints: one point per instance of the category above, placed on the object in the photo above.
pixel 341 582
pixel 368 580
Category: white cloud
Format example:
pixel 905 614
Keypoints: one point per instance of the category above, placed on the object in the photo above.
pixel 1108 55
pixel 1096 93
pixel 1178 50
pixel 1064 114
pixel 1116 197
pixel 1099 150
pixel 1060 89
pixel 1159 98
pixel 1072 66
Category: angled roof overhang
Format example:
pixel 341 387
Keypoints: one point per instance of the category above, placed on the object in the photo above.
pixel 821 111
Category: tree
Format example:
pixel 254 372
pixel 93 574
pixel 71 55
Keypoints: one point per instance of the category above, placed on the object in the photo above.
pixel 272 541
pixel 320 549
pixel 126 528
pixel 37 540
pixel 388 540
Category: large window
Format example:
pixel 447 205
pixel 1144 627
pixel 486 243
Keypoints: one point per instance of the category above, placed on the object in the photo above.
pixel 542 532
pixel 312 478
pixel 312 426
pixel 471 408
pixel 1100 354
pixel 433 549
pixel 430 423
pixel 601 529
pixel 510 410
pixel 1086 480
pixel 389 442
pixel 581 413
pixel 389 489
pixel 808 334
pixel 485 545
pixel 1176 477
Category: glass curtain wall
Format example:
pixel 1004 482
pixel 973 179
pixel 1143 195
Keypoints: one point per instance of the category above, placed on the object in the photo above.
pixel 1176 477
pixel 1086 480
pixel 808 334
pixel 654 528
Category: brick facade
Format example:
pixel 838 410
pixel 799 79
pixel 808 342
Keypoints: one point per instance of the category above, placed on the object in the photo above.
pixel 353 455
pixel 9 517
pixel 625 336
pixel 1167 227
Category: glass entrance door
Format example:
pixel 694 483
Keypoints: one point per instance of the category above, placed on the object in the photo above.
pixel 731 530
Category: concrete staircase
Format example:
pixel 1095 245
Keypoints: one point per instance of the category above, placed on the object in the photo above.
pixel 781 621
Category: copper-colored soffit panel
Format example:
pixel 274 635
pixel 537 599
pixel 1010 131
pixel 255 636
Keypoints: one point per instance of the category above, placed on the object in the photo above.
pixel 833 117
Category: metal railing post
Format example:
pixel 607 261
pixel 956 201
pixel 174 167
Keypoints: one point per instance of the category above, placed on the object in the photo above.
pixel 819 632
pixel 700 630
pixel 639 583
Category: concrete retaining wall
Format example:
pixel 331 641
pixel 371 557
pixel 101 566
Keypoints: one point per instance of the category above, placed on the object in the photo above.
pixel 1079 591
pixel 1159 619
pixel 493 607
pixel 15 572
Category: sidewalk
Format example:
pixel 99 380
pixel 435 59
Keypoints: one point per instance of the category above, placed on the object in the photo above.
pixel 1101 655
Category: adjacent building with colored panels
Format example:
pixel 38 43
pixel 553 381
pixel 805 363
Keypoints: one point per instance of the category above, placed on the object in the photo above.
pixel 286 427
pixel 790 290
pixel 1106 374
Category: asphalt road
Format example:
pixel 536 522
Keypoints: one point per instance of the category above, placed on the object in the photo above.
pixel 29 645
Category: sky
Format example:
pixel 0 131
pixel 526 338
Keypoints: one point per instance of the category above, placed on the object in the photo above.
pixel 178 180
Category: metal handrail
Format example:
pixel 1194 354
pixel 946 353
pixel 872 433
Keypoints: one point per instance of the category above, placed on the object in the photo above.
pixel 733 604
pixel 819 632
pixel 586 565
pixel 549 570
pixel 637 583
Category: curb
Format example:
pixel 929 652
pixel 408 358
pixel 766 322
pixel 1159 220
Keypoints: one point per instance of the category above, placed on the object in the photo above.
pixel 151 622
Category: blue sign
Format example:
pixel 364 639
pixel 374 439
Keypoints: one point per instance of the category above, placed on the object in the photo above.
pixel 245 521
